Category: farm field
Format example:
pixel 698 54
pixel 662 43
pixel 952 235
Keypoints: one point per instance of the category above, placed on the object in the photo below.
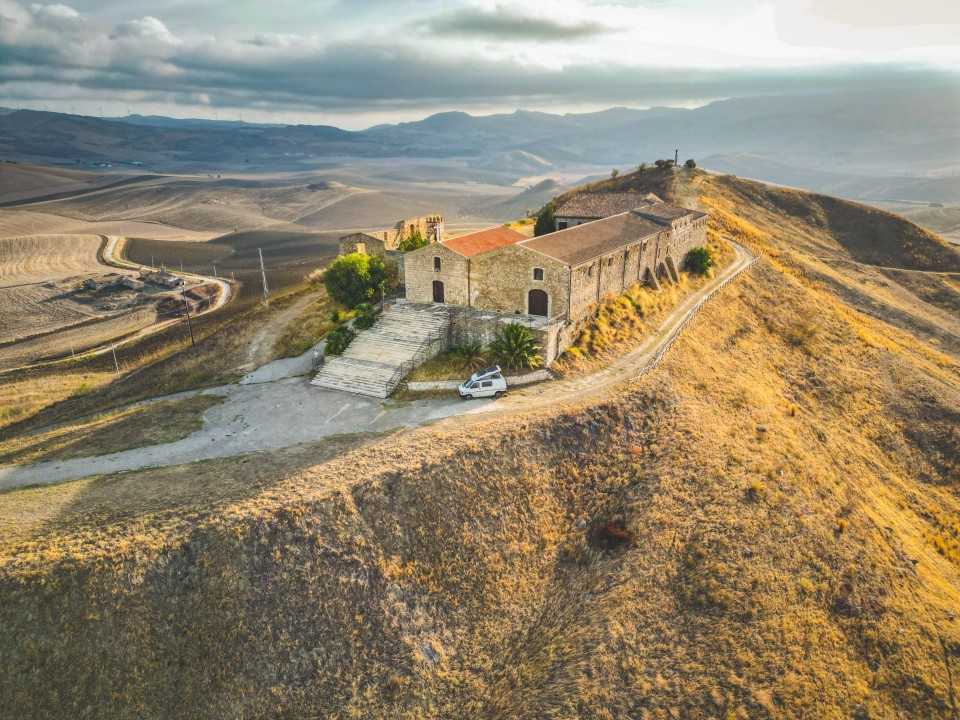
pixel 288 256
pixel 68 340
pixel 37 277
pixel 21 182
pixel 47 257
pixel 17 222
pixel 220 206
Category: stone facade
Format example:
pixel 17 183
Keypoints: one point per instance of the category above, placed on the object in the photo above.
pixel 436 263
pixel 502 279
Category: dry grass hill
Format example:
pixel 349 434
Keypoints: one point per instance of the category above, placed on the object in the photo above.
pixel 768 526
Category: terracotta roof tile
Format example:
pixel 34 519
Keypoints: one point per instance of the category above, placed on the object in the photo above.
pixel 482 240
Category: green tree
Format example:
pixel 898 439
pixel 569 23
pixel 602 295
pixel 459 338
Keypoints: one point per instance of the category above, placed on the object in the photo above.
pixel 338 340
pixel 546 221
pixel 515 347
pixel 614 173
pixel 366 316
pixel 353 279
pixel 413 242
pixel 700 260
pixel 691 163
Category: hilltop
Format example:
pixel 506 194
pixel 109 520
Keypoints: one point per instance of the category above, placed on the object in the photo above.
pixel 765 527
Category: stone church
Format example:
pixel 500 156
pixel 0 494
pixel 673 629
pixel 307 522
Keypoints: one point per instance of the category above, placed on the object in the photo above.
pixel 556 280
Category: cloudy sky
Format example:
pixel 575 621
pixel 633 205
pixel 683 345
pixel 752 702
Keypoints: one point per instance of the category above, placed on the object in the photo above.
pixel 354 63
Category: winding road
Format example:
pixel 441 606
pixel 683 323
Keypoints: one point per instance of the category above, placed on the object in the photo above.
pixel 275 407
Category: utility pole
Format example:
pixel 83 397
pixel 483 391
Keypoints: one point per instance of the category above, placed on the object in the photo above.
pixel 186 307
pixel 676 157
pixel 181 264
pixel 115 363
pixel 263 275
pixel 215 272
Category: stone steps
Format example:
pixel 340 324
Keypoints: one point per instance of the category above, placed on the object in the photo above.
pixel 376 360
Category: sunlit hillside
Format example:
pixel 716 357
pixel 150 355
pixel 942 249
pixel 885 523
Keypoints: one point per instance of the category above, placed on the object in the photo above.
pixel 764 527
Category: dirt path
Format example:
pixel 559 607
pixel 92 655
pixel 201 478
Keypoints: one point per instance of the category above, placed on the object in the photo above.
pixel 289 411
pixel 260 351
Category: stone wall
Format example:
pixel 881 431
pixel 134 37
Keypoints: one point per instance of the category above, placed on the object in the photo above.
pixel 363 244
pixel 428 226
pixel 502 279
pixel 419 274
pixel 613 273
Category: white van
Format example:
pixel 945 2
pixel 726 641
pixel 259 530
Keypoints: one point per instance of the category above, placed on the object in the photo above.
pixel 486 383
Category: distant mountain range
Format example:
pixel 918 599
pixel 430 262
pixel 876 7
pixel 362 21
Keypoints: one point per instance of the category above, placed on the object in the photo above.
pixel 816 136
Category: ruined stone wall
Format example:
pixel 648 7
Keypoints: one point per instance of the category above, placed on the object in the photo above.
pixel 363 244
pixel 419 274
pixel 427 225
pixel 501 280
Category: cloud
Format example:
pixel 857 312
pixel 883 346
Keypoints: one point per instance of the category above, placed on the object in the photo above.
pixel 511 22
pixel 53 52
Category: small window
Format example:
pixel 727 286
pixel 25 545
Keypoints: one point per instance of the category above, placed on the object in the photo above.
pixel 590 271
pixel 538 273
pixel 436 264
pixel 562 225
pixel 609 262
pixel 486 383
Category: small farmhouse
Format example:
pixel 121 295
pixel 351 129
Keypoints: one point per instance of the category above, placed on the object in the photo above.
pixel 102 282
pixel 161 278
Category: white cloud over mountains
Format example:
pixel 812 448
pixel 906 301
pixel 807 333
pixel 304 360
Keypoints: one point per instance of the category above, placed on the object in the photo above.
pixel 399 60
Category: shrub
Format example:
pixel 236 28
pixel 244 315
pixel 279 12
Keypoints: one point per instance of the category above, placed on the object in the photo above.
pixel 700 260
pixel 337 315
pixel 414 242
pixel 546 221
pixel 691 163
pixel 611 536
pixel 338 340
pixel 515 347
pixel 353 279
pixel 471 354
pixel 366 316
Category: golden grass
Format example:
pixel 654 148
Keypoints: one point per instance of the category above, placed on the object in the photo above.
pixel 111 432
pixel 307 329
pixel 21 399
pixel 783 491
pixel 623 322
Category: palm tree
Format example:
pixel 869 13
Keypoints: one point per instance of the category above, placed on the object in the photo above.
pixel 472 356
pixel 515 347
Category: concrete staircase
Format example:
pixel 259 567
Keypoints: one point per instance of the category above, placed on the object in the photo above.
pixel 378 359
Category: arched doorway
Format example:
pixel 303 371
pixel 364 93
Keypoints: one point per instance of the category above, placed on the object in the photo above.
pixel 537 303
pixel 437 291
